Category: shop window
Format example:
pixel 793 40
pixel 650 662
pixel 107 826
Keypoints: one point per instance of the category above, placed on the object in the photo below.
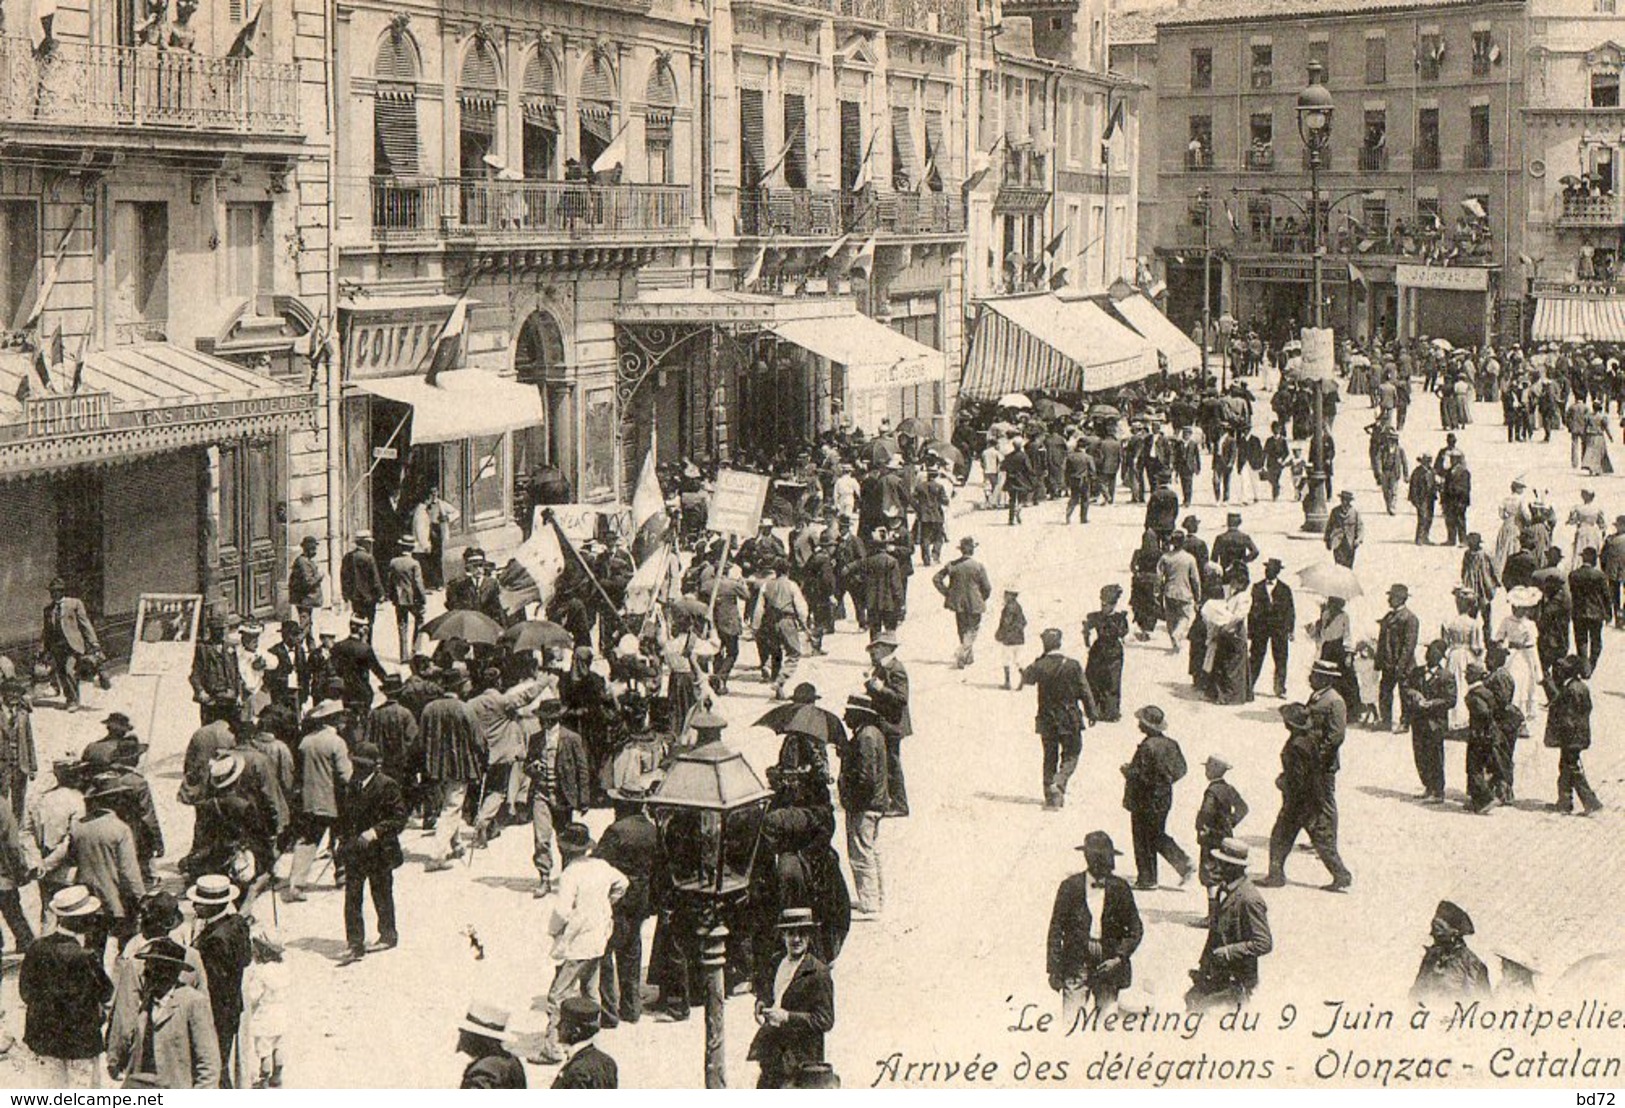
pixel 486 476
pixel 795 135
pixel 1376 60
pixel 249 258
pixel 1201 68
pixel 1263 69
pixel 19 230
pixel 1605 88
pixel 141 269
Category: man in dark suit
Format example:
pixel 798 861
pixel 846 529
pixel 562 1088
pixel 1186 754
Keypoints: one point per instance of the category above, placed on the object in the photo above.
pixel 887 688
pixel 1423 494
pixel 1094 930
pixel 66 991
pixel 632 845
pixel 223 944
pixel 1019 481
pixel 1079 473
pixel 1061 690
pixel 1148 795
pixel 588 1067
pixel 1397 633
pixel 355 664
pixel 371 819
pixel 800 1008
pixel 287 679
pixel 1187 463
pixel 1592 601
pixel 1303 787
pixel 1429 692
pixel 965 588
pixel 1271 623
pixel 360 583
pixel 1236 939
pixel 217 678
pixel 480 1037
pixel 66 637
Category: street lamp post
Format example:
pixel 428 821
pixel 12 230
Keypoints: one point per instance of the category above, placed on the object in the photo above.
pixel 1227 332
pixel 1315 129
pixel 1206 200
pixel 709 809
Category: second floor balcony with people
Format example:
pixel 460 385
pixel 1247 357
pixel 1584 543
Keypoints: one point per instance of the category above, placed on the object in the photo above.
pixel 825 212
pixel 521 213
pixel 62 88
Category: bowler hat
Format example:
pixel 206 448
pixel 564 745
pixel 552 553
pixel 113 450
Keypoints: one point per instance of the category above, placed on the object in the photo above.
pixel 1399 590
pixel 161 911
pixel 1233 851
pixel 117 719
pixel 805 693
pixel 1458 920
pixel 1152 718
pixel 1099 840
pixel 575 837
pixel 487 1021
pixel 391 683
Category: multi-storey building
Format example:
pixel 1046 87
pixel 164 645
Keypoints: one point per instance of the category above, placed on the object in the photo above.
pixel 164 205
pixel 1574 157
pixel 1423 183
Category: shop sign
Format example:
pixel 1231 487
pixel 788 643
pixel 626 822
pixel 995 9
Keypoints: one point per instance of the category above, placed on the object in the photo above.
pixel 165 634
pixel 736 503
pixel 1449 278
pixel 80 413
pixel 385 342
pixel 216 411
pixel 903 373
pixel 1580 288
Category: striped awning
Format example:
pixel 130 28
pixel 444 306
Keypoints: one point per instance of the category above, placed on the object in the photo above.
pixel 1579 319
pixel 1043 342
pixel 1182 354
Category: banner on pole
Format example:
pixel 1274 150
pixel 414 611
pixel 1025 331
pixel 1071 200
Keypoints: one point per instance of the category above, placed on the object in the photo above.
pixel 737 502
pixel 165 634
pixel 1318 358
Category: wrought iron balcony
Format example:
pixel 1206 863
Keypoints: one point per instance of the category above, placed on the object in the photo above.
pixel 1584 210
pixel 1426 158
pixel 941 17
pixel 1373 158
pixel 1261 159
pixel 524 212
pixel 1198 161
pixel 76 84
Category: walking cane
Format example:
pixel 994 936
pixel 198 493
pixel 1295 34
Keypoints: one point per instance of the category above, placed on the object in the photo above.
pixel 468 861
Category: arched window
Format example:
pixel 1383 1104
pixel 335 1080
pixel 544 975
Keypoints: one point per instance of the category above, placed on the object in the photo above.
pixel 478 93
pixel 395 114
pixel 660 100
pixel 541 116
pixel 595 107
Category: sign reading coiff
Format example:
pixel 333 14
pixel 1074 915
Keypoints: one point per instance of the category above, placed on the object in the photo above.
pixel 81 413
pixel 1452 278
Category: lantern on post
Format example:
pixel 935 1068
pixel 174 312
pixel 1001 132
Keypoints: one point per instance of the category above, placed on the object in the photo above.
pixel 709 810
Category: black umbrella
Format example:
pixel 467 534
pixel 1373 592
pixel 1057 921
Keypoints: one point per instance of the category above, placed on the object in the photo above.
pixel 914 427
pixel 537 634
pixel 804 719
pixel 464 624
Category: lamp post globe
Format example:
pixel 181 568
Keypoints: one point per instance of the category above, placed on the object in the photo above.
pixel 1315 129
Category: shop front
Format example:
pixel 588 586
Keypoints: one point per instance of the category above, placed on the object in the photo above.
pixel 166 470
pixel 1275 295
pixel 1579 311
pixel 1446 302
pixel 406 437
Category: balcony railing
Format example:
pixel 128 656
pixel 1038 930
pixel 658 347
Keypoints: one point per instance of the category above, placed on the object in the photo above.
pixel 1261 159
pixel 77 84
pixel 1373 158
pixel 1584 210
pixel 1478 155
pixel 522 211
pixel 1198 161
pixel 1426 158
pixel 817 212
pixel 1481 65
pixel 942 17
pixel 1263 78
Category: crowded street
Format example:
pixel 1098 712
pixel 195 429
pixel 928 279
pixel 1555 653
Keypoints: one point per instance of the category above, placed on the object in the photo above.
pixel 970 873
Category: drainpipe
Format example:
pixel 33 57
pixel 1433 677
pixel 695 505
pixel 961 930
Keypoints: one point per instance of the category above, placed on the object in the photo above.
pixel 337 485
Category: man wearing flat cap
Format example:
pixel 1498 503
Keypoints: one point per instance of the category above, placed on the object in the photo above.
pixel 1094 930
pixel 587 1066
pixel 1449 970
pixel 797 1009
pixel 1238 935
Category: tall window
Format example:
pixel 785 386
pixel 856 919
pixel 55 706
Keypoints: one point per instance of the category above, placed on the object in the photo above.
pixel 1374 145
pixel 795 136
pixel 905 158
pixel 395 113
pixel 1376 60
pixel 1605 7
pixel 1259 216
pixel 935 148
pixel 250 262
pixel 19 230
pixel 1427 213
pixel 1605 88
pixel 1485 53
pixel 1478 124
pixel 1263 69
pixel 1201 67
pixel 1261 140
pixel 660 103
pixel 851 143
pixel 1320 53
pixel 1427 138
pixel 141 269
pixel 1430 56
pixel 1375 211
pixel 595 108
pixel 752 139
pixel 1199 147
pixel 540 128
pixel 478 88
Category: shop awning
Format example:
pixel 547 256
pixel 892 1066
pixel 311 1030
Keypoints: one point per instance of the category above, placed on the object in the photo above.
pixel 136 400
pixel 460 404
pixel 1579 319
pixel 1042 342
pixel 721 306
pixel 1176 346
pixel 875 356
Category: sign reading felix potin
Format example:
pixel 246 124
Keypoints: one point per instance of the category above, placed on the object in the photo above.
pixel 165 634
pixel 736 504
pixel 81 413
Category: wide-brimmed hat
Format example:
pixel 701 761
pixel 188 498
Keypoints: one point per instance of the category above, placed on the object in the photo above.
pixel 212 888
pixel 1525 596
pixel 75 900
pixel 163 949
pixel 224 769
pixel 1152 718
pixel 1455 916
pixel 804 693
pixel 106 784
pixel 325 709
pixel 797 919
pixel 391 683
pixel 1323 668
pixel 487 1021
pixel 1218 763
pixel 1233 851
pixel 366 754
pixel 1099 840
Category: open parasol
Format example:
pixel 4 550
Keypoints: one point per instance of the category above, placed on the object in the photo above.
pixel 1442 344
pixel 537 634
pixel 805 719
pixel 1331 579
pixel 1014 400
pixel 1104 411
pixel 879 451
pixel 1050 409
pixel 690 606
pixel 914 427
pixel 466 625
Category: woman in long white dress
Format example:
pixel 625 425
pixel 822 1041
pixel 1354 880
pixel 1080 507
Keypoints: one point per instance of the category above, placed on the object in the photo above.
pixel 1589 526
pixel 1463 637
pixel 1515 517
pixel 1518 634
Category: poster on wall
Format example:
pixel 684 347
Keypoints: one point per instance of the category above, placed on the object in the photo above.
pixel 165 634
pixel 598 465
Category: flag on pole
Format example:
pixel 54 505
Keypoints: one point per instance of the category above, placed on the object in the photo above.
pixel 1114 121
pixel 447 350
pixel 48 280
pixel 614 155
pixel 1356 276
pixel 533 571
pixel 1054 244
pixel 754 273
pixel 649 522
pixel 1157 289
pixel 47 357
pixel 243 45
pixel 836 247
pixel 861 181
pixel 1057 279
pixel 1230 214
pixel 865 259
pixel 778 159
pixel 40 27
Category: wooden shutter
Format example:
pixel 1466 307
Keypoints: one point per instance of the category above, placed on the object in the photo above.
pixel 905 160
pixel 795 133
pixel 597 102
pixel 851 142
pixel 752 141
pixel 395 125
pixel 935 151
pixel 541 93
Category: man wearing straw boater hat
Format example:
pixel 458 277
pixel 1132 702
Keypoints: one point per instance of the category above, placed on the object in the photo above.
pixel 224 943
pixel 482 1036
pixel 800 1008
pixel 64 987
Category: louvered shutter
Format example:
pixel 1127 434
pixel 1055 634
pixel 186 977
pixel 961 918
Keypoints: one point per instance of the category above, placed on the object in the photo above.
pixel 597 103
pixel 935 152
pixel 477 90
pixel 905 161
pixel 851 142
pixel 752 140
pixel 795 133
pixel 395 127
pixel 541 93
